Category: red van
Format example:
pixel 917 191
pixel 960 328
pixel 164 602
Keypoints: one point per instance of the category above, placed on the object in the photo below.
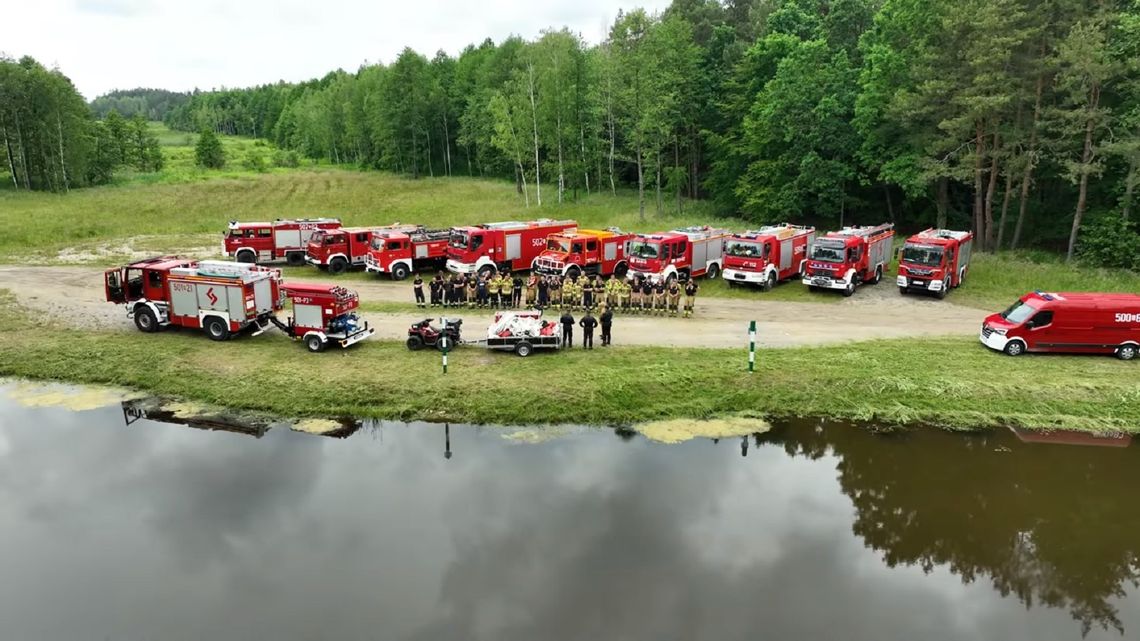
pixel 1078 323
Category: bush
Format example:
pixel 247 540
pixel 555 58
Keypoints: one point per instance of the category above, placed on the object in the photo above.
pixel 286 159
pixel 209 152
pixel 1110 241
pixel 255 161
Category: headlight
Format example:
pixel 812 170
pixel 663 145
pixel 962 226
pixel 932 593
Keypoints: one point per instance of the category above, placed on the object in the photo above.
pixel 1000 332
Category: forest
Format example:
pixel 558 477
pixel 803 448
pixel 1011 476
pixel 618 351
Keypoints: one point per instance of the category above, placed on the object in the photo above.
pixel 1019 119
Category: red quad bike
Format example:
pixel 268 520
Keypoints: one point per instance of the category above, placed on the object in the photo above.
pixel 422 334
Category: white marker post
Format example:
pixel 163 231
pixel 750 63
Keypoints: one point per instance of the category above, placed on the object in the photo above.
pixel 751 346
pixel 446 343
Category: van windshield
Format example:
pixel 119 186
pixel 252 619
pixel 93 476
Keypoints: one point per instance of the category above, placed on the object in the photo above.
pixel 922 255
pixel 827 254
pixel 1019 312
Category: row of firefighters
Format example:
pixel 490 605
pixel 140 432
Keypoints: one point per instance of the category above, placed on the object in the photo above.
pixel 632 295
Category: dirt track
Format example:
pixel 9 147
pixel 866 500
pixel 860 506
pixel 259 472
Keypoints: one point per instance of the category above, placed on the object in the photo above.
pixel 75 295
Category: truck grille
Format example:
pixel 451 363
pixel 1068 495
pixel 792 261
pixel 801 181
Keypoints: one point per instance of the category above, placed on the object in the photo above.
pixel 986 330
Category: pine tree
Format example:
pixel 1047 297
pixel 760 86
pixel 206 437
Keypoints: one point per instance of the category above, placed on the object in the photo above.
pixel 209 152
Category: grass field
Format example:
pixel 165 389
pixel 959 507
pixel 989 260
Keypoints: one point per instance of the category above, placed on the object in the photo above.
pixel 184 208
pixel 951 382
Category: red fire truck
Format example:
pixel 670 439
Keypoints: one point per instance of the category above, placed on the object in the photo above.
pixel 681 253
pixel 323 314
pixel 1078 323
pixel 399 253
pixel 279 240
pixel 935 260
pixel 219 297
pixel 339 249
pixel 849 257
pixel 585 251
pixel 767 255
pixel 484 249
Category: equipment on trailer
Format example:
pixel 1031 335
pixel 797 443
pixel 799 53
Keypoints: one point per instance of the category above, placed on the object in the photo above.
pixel 400 253
pixel 323 314
pixel 522 333
pixel 584 251
pixel 339 249
pixel 282 239
pixel 849 257
pixel 935 260
pixel 221 298
pixel 423 334
pixel 491 247
pixel 683 253
pixel 768 255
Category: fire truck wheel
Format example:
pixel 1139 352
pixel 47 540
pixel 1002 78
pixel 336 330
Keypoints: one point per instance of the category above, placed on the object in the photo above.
pixel 573 273
pixel 145 320
pixel 902 290
pixel 620 270
pixel 315 344
pixel 770 282
pixel 1126 352
pixel 713 271
pixel 486 271
pixel 670 279
pixel 415 343
pixel 295 259
pixel 850 289
pixel 399 271
pixel 523 349
pixel 246 256
pixel 945 288
pixel 216 329
pixel 878 275
pixel 1014 348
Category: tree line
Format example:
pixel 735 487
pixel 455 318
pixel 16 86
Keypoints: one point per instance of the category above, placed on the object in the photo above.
pixel 52 141
pixel 1013 117
pixel 152 104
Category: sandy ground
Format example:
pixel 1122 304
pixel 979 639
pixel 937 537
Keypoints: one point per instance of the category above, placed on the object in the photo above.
pixel 75 296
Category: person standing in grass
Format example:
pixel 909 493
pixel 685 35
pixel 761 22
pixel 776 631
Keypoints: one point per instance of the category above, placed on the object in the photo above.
pixel 635 295
pixel 567 329
pixel 418 290
pixel 588 323
pixel 607 319
pixel 691 288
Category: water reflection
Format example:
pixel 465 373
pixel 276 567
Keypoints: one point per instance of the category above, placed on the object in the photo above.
pixel 446 532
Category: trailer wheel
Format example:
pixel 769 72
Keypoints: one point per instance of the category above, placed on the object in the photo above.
pixel 1014 348
pixel 849 290
pixel 770 282
pixel 295 259
pixel 338 265
pixel 1126 352
pixel 523 349
pixel 713 271
pixel 315 344
pixel 145 320
pixel 399 271
pixel 216 329
pixel 246 256
pixel 415 343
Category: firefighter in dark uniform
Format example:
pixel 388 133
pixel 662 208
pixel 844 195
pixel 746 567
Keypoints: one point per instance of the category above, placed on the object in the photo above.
pixel 587 292
pixel 588 323
pixel 690 296
pixel 674 294
pixel 516 291
pixel 607 319
pixel 543 292
pixel 461 290
pixel 635 295
pixel 567 329
pixel 436 287
pixel 659 299
pixel 481 292
pixel 646 296
pixel 418 290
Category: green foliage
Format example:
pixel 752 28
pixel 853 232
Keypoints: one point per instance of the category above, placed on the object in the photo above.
pixel 255 161
pixel 208 152
pixel 1111 241
pixel 151 104
pixel 289 159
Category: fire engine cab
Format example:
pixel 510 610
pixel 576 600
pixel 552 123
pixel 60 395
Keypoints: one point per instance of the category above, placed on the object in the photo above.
pixel 935 260
pixel 767 255
pixel 1078 323
pixel 399 253
pixel 339 249
pixel 585 251
pixel 683 253
pixel 485 249
pixel 279 240
pixel 323 314
pixel 849 257
pixel 221 298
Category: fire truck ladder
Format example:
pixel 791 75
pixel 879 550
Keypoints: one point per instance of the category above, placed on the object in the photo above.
pixel 866 232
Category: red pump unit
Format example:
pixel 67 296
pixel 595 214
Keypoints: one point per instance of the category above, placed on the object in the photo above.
pixel 323 315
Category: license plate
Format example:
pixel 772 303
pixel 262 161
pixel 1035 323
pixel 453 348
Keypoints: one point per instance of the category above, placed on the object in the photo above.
pixel 920 283
pixel 820 281
pixel 739 276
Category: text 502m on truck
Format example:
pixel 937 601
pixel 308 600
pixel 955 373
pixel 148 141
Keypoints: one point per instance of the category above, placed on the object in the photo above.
pixel 1078 323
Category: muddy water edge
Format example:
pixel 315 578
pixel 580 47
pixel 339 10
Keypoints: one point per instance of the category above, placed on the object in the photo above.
pixel 126 519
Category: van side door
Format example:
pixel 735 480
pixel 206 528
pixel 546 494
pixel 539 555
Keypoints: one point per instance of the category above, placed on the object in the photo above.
pixel 1040 334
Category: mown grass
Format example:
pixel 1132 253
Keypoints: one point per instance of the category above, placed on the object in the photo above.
pixel 955 383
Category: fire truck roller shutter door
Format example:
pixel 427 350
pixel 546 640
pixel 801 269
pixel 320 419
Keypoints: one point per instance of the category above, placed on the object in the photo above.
pixel 421 251
pixel 288 238
pixel 183 299
pixel 262 296
pixel 236 303
pixel 212 297
pixel 785 255
pixel 700 255
pixel 609 251
pixel 308 316
pixel 514 247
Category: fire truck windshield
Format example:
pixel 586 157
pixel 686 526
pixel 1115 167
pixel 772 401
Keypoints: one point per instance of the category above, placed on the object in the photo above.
pixel 333 239
pixel 744 250
pixel 377 243
pixel 1019 312
pixel 458 239
pixel 642 249
pixel 558 245
pixel 826 253
pixel 922 255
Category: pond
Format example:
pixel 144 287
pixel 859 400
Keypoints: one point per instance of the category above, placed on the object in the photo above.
pixel 115 525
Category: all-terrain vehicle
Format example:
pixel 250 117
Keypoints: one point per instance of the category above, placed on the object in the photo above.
pixel 423 334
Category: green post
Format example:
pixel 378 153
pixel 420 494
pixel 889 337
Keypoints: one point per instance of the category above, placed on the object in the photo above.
pixel 751 346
